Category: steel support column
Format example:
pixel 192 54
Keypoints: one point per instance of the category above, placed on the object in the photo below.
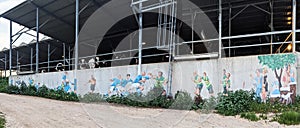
pixel 10 47
pixel 294 25
pixel 229 24
pixel 5 59
pixel 193 27
pixel 130 45
pixel 64 54
pixel 76 36
pixel 18 61
pixel 220 28
pixel 69 58
pixel 31 58
pixel 271 25
pixel 37 42
pixel 49 47
pixel 140 38
pixel 76 41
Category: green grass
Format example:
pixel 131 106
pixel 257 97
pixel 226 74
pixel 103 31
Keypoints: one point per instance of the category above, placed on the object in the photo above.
pixel 289 118
pixel 2 120
pixel 250 116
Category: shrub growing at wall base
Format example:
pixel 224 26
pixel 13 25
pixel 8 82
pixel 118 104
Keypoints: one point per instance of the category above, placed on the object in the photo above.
pixel 41 92
pixel 92 98
pixel 3 84
pixel 235 103
pixel 2 120
pixel 209 105
pixel 250 116
pixel 153 99
pixel 44 92
pixel 13 89
pixel 28 90
pixel 183 101
pixel 289 118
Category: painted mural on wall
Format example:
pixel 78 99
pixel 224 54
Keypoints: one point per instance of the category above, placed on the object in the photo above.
pixel 270 76
pixel 202 81
pixel 285 84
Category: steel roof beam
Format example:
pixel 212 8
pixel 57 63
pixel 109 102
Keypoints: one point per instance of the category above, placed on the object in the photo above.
pixel 51 14
pixel 87 5
pixel 34 10
pixel 95 2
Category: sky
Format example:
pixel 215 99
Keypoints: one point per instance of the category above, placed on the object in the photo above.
pixel 5 5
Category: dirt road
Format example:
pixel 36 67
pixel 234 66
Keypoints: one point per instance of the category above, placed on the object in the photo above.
pixel 33 112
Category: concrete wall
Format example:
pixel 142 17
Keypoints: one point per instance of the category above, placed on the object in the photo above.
pixel 240 68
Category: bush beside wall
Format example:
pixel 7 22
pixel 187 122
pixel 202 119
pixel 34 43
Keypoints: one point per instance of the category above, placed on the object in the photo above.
pixel 2 120
pixel 33 91
pixel 153 99
pixel 235 103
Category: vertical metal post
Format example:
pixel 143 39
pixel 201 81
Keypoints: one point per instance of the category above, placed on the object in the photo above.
pixel 49 48
pixel 76 36
pixel 130 45
pixel 10 46
pixel 294 25
pixel 69 57
pixel 193 23
pixel 31 58
pixel 140 38
pixel 76 41
pixel 178 27
pixel 229 41
pixel 5 65
pixel 271 25
pixel 17 61
pixel 220 28
pixel 64 53
pixel 172 44
pixel 37 42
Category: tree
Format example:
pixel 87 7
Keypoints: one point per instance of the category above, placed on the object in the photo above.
pixel 277 63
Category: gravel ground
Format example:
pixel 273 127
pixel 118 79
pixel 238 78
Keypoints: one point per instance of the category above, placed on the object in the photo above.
pixel 34 112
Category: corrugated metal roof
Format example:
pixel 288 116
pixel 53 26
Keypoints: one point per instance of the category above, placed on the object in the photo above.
pixel 56 15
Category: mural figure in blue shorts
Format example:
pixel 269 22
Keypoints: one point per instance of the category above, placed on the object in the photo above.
pixel 226 83
pixel 37 86
pixel 64 79
pixel 209 86
pixel 30 81
pixel 125 83
pixel 67 87
pixel 114 84
pixel 199 84
pixel 139 82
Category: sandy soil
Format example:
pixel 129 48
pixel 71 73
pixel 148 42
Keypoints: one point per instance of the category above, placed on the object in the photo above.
pixel 33 112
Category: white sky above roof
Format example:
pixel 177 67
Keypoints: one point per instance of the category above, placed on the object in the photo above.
pixel 5 5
